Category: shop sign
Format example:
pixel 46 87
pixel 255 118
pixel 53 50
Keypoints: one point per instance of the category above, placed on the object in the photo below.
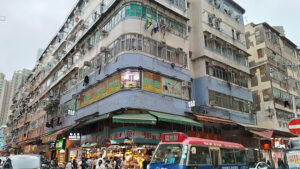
pixel 33 148
pixel 69 107
pixel 130 79
pixel 48 139
pixel 103 89
pixel 205 135
pixel 128 135
pixel 59 144
pixel 152 82
pixel 107 143
pixel 27 149
pixel 74 136
pixel 171 87
pixel 278 143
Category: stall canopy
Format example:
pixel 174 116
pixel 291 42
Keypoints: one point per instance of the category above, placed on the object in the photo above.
pixel 51 136
pixel 93 120
pixel 134 118
pixel 213 119
pixel 171 118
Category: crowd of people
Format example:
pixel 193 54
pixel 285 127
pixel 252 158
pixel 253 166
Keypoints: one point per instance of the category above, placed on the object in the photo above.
pixel 101 163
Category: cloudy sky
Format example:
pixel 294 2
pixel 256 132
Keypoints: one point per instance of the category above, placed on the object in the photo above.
pixel 31 24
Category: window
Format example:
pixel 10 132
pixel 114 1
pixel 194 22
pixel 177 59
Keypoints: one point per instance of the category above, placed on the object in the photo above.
pixel 257 33
pixel 227 156
pixel 260 53
pixel 199 155
pixel 170 154
pixel 240 156
pixel 262 72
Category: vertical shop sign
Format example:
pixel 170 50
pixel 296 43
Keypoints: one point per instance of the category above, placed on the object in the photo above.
pixel 152 82
pixel 171 87
pixel 130 79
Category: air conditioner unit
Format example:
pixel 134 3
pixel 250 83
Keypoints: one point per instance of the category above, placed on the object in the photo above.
pixel 212 16
pixel 87 63
pixel 75 96
pixel 212 102
pixel 162 44
pixel 103 32
pixel 73 81
pixel 179 50
pixel 103 49
pixel 213 63
pixel 241 52
pixel 212 37
pixel 237 18
pixel 168 28
pixel 219 19
pixel 186 84
pixel 229 12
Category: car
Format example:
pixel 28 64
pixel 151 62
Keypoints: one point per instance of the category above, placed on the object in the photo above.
pixel 22 162
pixel 259 165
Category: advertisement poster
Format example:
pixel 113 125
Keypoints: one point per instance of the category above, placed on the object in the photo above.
pixel 152 82
pixel 105 88
pixel 171 87
pixel 130 79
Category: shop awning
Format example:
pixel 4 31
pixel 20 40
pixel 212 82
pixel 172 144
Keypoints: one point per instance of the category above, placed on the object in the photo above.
pixel 171 118
pixel 253 127
pixel 267 135
pixel 95 119
pixel 134 118
pixel 51 136
pixel 213 119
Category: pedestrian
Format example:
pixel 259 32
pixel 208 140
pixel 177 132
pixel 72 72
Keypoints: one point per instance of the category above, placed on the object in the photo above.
pixel 145 163
pixel 90 163
pixel 281 164
pixel 100 165
pixel 123 164
pixel 111 164
pixel 74 164
pixel 268 162
pixel 69 165
pixel 84 164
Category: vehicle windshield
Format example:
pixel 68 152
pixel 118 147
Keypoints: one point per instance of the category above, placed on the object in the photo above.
pixel 25 162
pixel 170 154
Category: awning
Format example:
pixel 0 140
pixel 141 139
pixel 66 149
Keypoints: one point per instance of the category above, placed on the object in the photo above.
pixel 95 119
pixel 52 136
pixel 253 127
pixel 171 118
pixel 213 119
pixel 263 134
pixel 134 119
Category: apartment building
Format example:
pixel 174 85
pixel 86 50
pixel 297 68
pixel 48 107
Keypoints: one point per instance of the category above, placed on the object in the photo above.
pixel 4 93
pixel 219 61
pixel 112 66
pixel 274 63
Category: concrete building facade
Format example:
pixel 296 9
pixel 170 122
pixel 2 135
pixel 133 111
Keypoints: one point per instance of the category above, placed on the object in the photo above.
pixel 219 61
pixel 4 94
pixel 274 64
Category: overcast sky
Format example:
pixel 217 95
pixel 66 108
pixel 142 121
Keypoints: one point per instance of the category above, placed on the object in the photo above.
pixel 31 24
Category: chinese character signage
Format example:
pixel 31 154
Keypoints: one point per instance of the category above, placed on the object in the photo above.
pixel 152 82
pixel 171 87
pixel 74 136
pixel 130 79
pixel 103 89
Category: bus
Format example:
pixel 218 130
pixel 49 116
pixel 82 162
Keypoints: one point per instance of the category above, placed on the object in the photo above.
pixel 177 151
